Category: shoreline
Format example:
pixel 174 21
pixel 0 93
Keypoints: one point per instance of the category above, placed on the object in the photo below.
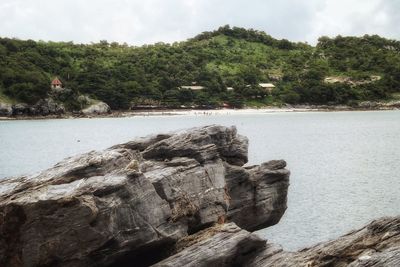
pixel 194 112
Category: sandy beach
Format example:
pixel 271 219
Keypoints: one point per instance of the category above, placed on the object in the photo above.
pixel 212 112
pixel 191 112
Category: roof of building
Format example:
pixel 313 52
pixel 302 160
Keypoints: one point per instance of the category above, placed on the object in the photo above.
pixel 192 87
pixel 56 81
pixel 266 85
pixel 229 88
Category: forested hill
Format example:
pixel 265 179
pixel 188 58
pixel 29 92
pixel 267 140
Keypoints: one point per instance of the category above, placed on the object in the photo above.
pixel 341 70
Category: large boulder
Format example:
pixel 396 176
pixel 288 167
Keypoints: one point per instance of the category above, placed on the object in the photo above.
pixel 5 109
pixel 97 109
pixel 259 190
pixel 132 202
pixel 222 245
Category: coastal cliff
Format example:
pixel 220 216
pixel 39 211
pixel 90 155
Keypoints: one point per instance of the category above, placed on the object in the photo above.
pixel 130 204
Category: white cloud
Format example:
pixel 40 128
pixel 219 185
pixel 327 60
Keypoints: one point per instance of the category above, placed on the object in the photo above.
pixel 356 17
pixel 138 21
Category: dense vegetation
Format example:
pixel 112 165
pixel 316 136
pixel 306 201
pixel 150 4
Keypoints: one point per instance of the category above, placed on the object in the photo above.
pixel 124 76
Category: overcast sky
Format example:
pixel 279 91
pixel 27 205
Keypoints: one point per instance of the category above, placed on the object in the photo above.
pixel 148 21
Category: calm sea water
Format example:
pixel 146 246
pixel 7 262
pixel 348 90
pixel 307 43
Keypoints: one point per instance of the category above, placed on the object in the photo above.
pixel 345 165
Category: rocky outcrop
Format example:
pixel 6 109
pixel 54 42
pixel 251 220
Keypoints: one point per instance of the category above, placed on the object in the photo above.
pixel 20 109
pixel 261 191
pixel 5 109
pixel 392 104
pixel 351 81
pixel 222 245
pixel 179 199
pixel 375 245
pixel 97 109
pixel 43 107
pixel 46 107
pixel 131 203
pixel 53 106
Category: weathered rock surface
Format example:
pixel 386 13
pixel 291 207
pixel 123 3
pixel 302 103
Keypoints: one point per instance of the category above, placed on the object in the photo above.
pixel 132 202
pixel 375 245
pixel 52 105
pixel 43 107
pixel 97 109
pixel 46 107
pixel 222 245
pixel 5 109
pixel 20 109
pixel 259 190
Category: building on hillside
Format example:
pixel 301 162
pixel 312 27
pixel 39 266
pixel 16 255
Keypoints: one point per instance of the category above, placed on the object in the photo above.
pixel 192 87
pixel 56 83
pixel 267 86
pixel 229 88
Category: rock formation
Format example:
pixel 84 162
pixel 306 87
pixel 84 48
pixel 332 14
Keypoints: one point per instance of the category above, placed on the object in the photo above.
pixel 179 199
pixel 54 106
pixel 5 109
pixel 375 245
pixel 221 245
pixel 133 202
pixel 20 109
pixel 46 107
pixel 43 107
pixel 97 109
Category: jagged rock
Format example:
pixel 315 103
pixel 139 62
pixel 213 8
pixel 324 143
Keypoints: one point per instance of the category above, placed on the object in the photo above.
pixel 377 244
pixel 223 246
pixel 136 199
pixel 392 104
pixel 20 109
pixel 368 104
pixel 98 108
pixel 83 100
pixel 46 107
pixel 259 190
pixel 43 107
pixel 5 109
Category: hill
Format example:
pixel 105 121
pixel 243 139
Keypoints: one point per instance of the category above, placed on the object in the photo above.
pixel 340 70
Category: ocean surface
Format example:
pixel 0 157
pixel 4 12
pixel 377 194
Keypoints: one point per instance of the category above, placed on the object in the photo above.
pixel 345 166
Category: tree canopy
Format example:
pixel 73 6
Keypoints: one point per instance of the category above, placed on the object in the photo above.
pixel 123 75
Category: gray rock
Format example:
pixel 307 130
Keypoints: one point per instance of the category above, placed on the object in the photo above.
pixel 392 104
pixel 368 104
pixel 20 109
pixel 377 244
pixel 83 100
pixel 5 109
pixel 136 199
pixel 223 246
pixel 259 190
pixel 98 108
pixel 46 107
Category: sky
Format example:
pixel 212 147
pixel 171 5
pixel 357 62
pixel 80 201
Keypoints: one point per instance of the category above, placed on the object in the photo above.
pixel 138 22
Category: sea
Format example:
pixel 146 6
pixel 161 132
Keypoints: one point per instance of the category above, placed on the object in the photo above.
pixel 345 166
